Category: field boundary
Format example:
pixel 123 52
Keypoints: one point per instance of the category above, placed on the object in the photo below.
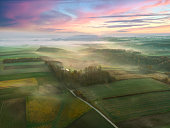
pixel 107 98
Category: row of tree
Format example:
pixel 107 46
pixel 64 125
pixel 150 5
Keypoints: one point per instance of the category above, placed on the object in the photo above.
pixel 17 60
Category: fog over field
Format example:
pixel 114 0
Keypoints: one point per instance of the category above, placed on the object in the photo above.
pixel 152 44
pixel 104 81
pixel 84 63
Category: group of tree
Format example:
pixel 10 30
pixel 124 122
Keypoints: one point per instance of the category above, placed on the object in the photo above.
pixel 89 76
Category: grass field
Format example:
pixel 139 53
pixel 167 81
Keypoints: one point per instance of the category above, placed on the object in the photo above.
pixel 18 56
pixel 156 121
pixel 52 106
pixel 72 110
pixel 132 107
pixel 17 88
pixel 131 100
pixel 27 65
pixel 12 113
pixel 24 63
pixel 20 89
pixel 90 120
pixel 24 67
pixel 42 109
pixel 18 83
pixel 30 96
pixel 13 53
pixel 17 92
pixel 24 70
pixel 123 87
pixel 9 49
pixel 23 75
pixel 46 106
pixel 55 111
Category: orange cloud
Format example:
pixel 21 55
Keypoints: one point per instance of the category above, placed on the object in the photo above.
pixel 159 29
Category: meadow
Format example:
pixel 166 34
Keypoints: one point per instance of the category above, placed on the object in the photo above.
pixel 136 106
pixel 123 87
pixel 45 102
pixel 28 83
pixel 12 113
pixel 131 100
pixel 18 83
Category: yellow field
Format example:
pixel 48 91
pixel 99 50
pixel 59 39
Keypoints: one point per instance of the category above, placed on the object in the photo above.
pixel 72 111
pixel 77 108
pixel 44 126
pixel 42 109
pixel 18 83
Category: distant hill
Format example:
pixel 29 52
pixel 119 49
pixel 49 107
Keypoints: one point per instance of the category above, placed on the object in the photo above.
pixel 119 56
pixel 50 49
pixel 79 38
pixel 84 38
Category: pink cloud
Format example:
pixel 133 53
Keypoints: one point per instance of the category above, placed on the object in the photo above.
pixel 28 14
pixel 155 3
pixel 28 11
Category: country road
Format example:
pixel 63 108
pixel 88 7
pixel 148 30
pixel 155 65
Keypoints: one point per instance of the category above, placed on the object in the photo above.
pixel 114 125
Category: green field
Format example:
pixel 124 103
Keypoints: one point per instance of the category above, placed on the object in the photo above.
pixel 23 66
pixel 132 107
pixel 48 104
pixel 18 56
pixel 16 92
pixel 24 70
pixel 90 120
pixel 62 109
pixel 12 113
pixel 156 121
pixel 24 75
pixel 123 87
pixel 131 100
pixel 9 71
pixel 16 49
pixel 24 63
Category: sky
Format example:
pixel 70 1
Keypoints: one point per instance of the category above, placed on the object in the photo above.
pixel 96 17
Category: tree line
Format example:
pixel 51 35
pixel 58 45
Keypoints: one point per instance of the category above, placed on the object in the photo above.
pixel 17 60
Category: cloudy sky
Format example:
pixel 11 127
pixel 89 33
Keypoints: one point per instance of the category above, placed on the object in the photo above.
pixel 85 16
